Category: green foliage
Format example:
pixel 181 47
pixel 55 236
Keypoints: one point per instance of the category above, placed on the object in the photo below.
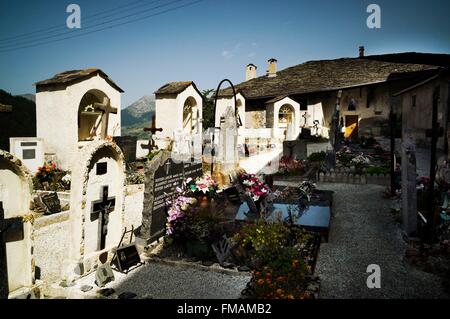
pixel 377 170
pixel 20 122
pixel 135 177
pixel 317 157
pixel 208 109
pixel 152 154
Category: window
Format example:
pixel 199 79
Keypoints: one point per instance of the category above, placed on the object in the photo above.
pixel 413 100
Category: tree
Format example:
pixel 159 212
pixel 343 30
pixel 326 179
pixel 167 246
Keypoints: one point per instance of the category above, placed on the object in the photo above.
pixel 208 108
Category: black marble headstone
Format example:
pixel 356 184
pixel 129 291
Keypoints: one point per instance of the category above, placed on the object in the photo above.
pixel 167 178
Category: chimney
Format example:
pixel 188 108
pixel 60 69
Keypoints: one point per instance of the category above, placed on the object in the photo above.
pixel 272 69
pixel 250 72
pixel 361 51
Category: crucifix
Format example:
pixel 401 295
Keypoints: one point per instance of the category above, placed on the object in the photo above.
pixel 153 129
pixel 106 108
pixel 100 211
pixel 11 229
pixel 305 116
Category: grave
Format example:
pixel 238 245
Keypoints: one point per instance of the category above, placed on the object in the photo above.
pixel 295 149
pixel 228 147
pixel 29 150
pixel 96 201
pixel 315 216
pixel 16 245
pixel 162 176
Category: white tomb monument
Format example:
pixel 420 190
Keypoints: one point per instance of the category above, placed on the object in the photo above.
pixel 97 199
pixel 30 150
pixel 73 108
pixel 16 244
pixel 178 106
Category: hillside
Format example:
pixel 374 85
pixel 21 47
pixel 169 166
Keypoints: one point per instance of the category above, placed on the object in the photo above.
pixel 21 122
pixel 137 116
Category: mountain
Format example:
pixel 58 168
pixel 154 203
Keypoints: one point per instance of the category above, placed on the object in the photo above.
pixel 29 96
pixel 137 116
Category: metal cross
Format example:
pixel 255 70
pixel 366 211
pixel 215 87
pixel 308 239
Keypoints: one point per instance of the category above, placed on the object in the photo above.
pixel 153 129
pixel 101 210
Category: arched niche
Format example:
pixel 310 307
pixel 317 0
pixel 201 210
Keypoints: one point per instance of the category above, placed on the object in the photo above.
pixel 190 115
pixel 286 115
pixel 89 117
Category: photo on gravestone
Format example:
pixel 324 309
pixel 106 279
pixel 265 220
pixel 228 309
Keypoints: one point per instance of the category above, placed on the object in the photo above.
pixel 52 203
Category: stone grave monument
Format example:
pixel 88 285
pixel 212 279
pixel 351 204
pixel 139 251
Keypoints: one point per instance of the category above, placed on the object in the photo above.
pixel 97 199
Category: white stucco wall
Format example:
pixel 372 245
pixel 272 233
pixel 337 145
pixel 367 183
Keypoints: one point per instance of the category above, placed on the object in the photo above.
pixel 17 149
pixel 15 195
pixel 169 114
pixel 223 103
pixel 57 117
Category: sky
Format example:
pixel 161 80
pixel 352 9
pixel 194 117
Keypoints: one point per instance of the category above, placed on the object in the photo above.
pixel 204 41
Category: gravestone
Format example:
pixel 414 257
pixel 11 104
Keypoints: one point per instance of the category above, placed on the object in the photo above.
pixel 96 201
pixel 162 176
pixel 296 149
pixel 228 146
pixel 30 150
pixel 409 190
pixel 16 259
pixel 52 203
pixel 128 146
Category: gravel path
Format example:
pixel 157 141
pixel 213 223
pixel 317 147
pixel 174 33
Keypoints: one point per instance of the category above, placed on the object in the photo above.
pixel 363 233
pixel 159 281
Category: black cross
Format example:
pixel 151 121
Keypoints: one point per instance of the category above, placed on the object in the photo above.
pixel 305 116
pixel 11 229
pixel 151 143
pixel 101 210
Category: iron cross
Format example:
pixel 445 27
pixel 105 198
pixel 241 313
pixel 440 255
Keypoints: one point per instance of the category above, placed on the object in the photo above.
pixel 106 108
pixel 153 129
pixel 100 211
pixel 11 229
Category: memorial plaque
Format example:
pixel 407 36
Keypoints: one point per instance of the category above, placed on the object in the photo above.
pixel 101 168
pixel 128 146
pixel 51 201
pixel 127 257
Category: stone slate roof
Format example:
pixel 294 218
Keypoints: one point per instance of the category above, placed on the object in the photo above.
pixel 413 57
pixel 73 76
pixel 176 88
pixel 327 75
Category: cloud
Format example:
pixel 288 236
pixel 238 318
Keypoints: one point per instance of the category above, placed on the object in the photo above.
pixel 230 53
pixel 227 54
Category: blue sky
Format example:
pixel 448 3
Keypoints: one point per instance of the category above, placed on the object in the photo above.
pixel 209 40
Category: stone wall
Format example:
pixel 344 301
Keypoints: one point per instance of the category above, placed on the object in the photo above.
pixel 51 245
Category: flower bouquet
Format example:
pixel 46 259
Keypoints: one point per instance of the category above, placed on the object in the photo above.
pixel 254 188
pixel 204 186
